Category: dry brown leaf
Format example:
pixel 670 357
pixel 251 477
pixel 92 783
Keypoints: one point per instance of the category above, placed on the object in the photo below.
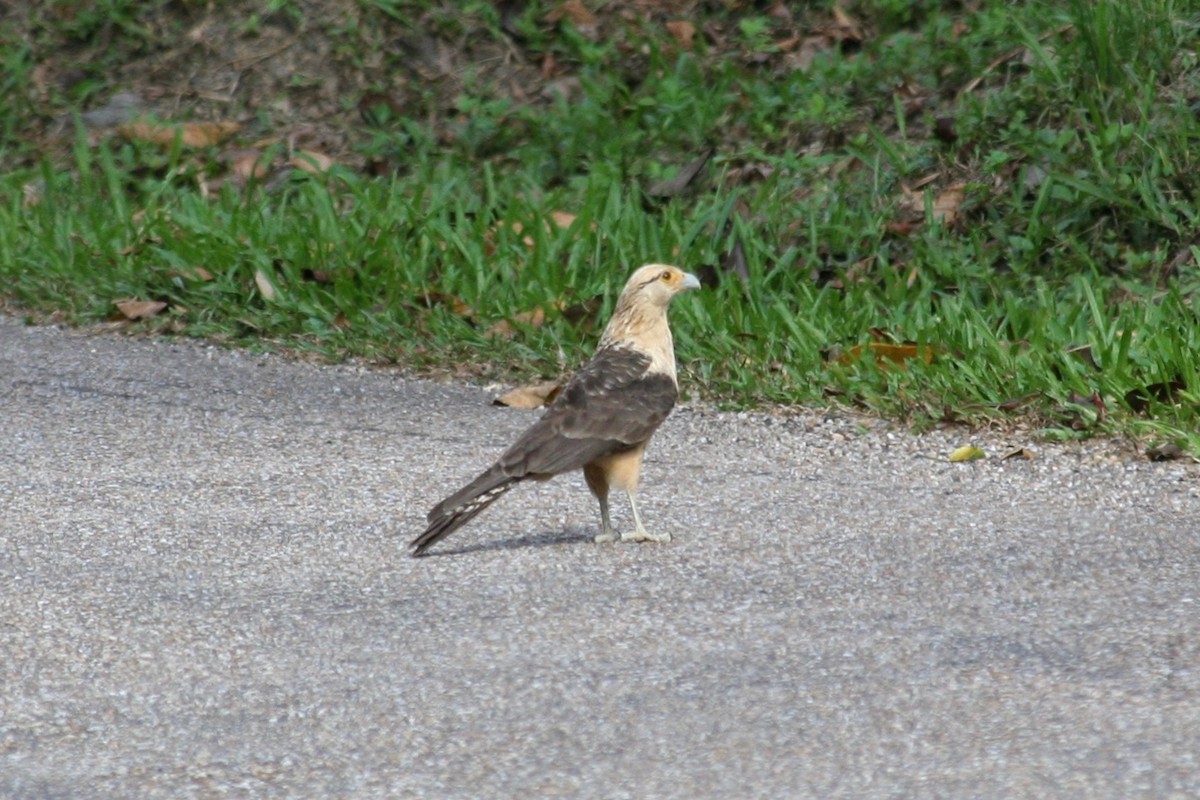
pixel 190 134
pixel 800 58
pixel 456 304
pixel 944 208
pixel 193 274
pixel 578 15
pixel 248 164
pixel 947 204
pixel 887 354
pixel 506 329
pixel 683 31
pixel 845 28
pixel 311 161
pixel 560 220
pixel 265 287
pixel 139 309
pixel 1019 452
pixel 31 194
pixel 533 396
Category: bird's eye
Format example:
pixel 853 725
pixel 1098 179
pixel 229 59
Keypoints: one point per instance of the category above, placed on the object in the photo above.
pixel 666 276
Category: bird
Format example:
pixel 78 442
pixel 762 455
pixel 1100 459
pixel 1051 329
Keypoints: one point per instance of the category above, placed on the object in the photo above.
pixel 600 422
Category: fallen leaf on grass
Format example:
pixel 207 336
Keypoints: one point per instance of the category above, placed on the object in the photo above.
pixel 311 161
pixel 139 309
pixel 845 28
pixel 248 164
pixel 506 328
pixel 455 304
pixel 265 287
pixel 683 31
pixel 578 15
pixel 193 274
pixel 947 204
pixel 887 354
pixel 558 220
pixel 189 134
pixel 32 193
pixel 533 396
pixel 965 453
pixel 945 207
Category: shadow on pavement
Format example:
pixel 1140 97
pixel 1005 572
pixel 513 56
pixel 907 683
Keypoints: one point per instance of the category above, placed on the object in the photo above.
pixel 547 539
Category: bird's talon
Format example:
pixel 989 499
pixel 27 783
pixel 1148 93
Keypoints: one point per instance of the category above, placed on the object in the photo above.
pixel 607 537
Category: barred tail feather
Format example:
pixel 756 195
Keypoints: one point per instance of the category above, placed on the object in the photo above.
pixel 456 511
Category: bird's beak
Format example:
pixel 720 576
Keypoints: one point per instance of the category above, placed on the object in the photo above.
pixel 690 281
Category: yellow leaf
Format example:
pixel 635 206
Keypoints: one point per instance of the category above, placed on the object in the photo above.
pixel 968 452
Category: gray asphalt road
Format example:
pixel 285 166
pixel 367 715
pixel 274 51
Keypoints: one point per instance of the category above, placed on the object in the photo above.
pixel 201 597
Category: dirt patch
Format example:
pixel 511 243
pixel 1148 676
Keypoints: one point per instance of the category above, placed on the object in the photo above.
pixel 326 76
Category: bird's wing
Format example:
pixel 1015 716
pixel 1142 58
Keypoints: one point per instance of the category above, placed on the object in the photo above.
pixel 612 404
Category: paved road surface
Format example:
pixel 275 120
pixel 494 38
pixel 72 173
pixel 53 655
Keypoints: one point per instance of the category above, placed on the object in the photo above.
pixel 201 598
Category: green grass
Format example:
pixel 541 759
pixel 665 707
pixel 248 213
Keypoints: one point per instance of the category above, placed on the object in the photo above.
pixel 1060 293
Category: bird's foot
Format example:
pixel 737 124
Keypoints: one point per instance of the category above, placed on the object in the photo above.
pixel 606 536
pixel 645 536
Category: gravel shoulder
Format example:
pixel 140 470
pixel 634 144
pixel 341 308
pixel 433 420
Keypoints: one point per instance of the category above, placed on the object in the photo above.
pixel 206 592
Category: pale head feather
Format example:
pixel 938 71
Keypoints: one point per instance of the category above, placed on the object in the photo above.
pixel 640 318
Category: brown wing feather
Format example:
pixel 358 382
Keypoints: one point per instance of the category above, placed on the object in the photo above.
pixel 612 404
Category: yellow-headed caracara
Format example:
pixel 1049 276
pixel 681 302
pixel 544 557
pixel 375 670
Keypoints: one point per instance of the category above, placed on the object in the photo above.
pixel 600 422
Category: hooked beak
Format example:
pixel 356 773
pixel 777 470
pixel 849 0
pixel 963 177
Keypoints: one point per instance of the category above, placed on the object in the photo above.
pixel 690 281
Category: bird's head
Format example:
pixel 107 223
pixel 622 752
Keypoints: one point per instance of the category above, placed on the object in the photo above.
pixel 658 283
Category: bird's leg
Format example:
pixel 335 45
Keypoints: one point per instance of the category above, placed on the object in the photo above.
pixel 606 534
pixel 598 483
pixel 639 533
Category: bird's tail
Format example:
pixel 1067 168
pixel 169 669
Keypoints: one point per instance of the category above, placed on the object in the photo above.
pixel 461 507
